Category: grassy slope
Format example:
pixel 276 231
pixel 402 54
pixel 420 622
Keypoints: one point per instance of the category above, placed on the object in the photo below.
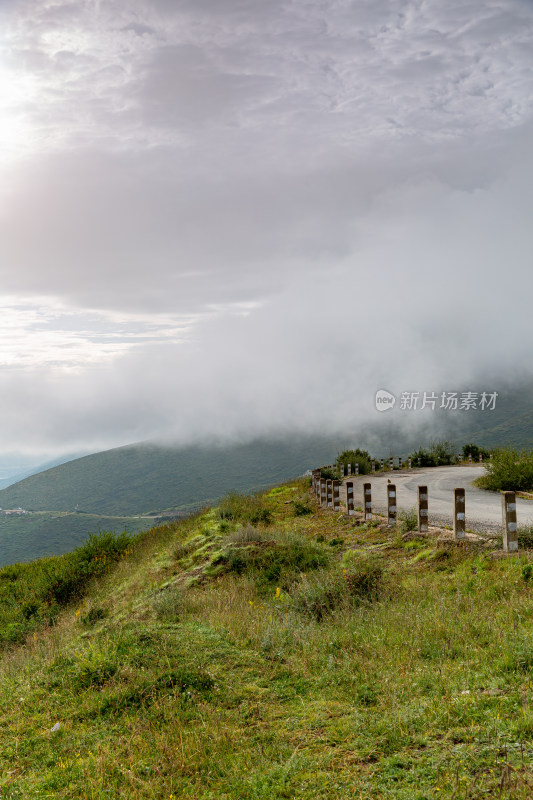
pixel 206 678
pixel 53 533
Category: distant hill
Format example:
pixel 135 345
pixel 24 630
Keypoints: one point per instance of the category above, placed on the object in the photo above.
pixel 11 476
pixel 515 431
pixel 148 478
pixel 29 536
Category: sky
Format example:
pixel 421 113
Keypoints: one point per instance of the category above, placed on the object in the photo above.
pixel 231 218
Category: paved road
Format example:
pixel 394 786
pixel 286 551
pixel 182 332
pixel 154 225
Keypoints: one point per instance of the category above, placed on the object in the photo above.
pixel 481 506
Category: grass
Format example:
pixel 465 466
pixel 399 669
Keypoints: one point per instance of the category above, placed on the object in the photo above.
pixel 371 669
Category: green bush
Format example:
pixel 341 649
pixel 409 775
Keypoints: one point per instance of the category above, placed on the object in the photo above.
pixel 281 557
pixel 475 451
pixel 321 593
pixel 356 456
pixel 31 595
pixel 408 520
pixel 301 509
pixel 509 470
pixel 439 454
pixel 525 536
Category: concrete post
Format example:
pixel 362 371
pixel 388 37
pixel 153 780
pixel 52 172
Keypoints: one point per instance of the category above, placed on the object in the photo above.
pixel 356 468
pixel 510 535
pixel 423 509
pixel 459 513
pixel 349 468
pixel 460 458
pixel 391 463
pixel 470 458
pixel 391 504
pixel 399 462
pixel 323 497
pixel 367 501
pixel 410 462
pixel 490 456
pixel 349 499
pixel 329 493
pixel 481 458
pixel 382 464
pixel 336 496
pixel 373 466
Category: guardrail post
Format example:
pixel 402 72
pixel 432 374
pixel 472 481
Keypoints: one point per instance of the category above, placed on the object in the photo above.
pixel 391 504
pixel 510 535
pixel 367 501
pixel 349 499
pixel 459 513
pixel 422 509
pixel 336 496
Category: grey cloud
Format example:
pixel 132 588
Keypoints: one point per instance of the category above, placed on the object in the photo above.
pixel 325 198
pixel 184 89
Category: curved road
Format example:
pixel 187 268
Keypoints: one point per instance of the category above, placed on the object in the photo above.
pixel 480 506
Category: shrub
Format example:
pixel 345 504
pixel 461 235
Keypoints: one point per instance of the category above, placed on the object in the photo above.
pixel 475 451
pixel 439 454
pixel 301 509
pixel 280 558
pixel 169 604
pixel 408 520
pixel 509 470
pixel 323 592
pixel 525 536
pixel 356 456
pixel 94 615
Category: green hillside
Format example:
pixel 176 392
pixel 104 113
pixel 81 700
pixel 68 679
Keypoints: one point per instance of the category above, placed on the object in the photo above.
pixel 516 431
pixel 147 478
pixel 23 538
pixel 310 655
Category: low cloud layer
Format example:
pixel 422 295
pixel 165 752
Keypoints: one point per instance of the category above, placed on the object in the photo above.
pixel 229 219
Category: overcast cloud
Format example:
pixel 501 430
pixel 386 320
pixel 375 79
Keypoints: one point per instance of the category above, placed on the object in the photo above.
pixel 239 217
